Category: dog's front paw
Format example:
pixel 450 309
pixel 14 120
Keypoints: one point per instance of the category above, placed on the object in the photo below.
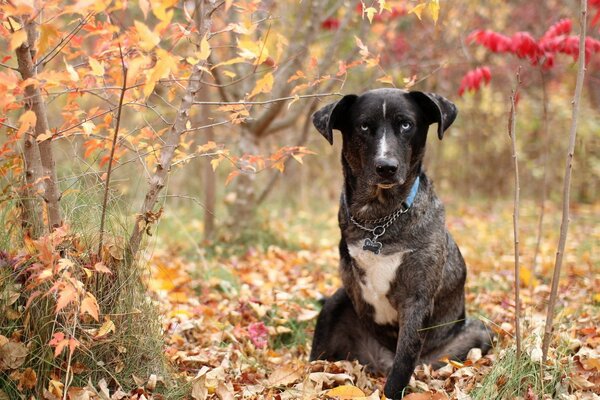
pixel 394 387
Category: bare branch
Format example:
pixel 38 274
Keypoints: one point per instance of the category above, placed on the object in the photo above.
pixel 265 102
pixel 64 41
pixel 512 124
pixel 112 152
pixel 564 225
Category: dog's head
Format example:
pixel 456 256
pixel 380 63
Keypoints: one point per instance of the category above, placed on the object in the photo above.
pixel 384 133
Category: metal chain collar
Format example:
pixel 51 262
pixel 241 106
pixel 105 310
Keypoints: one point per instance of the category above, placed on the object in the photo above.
pixel 381 224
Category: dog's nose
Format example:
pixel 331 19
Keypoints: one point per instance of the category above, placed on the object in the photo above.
pixel 386 168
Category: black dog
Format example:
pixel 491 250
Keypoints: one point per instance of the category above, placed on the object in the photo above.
pixel 403 297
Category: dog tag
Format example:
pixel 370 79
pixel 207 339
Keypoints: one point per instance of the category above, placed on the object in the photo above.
pixel 372 245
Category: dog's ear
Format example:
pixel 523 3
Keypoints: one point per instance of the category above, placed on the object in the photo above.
pixel 329 117
pixel 439 109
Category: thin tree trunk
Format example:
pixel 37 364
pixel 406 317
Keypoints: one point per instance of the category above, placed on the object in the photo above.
pixel 210 195
pixel 204 10
pixel 112 154
pixel 512 123
pixel 544 191
pixel 48 171
pixel 564 226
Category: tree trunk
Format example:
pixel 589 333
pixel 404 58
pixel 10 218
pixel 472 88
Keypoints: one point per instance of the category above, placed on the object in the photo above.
pixel 147 215
pixel 210 195
pixel 241 206
pixel 48 168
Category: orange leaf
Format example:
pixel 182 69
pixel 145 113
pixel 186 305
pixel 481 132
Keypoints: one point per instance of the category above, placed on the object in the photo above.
pixel 90 305
pixel 17 39
pixel 345 392
pixel 263 85
pixel 66 296
pixel 27 120
pixel 100 267
pixel 231 176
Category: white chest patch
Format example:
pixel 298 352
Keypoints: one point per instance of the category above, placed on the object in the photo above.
pixel 380 270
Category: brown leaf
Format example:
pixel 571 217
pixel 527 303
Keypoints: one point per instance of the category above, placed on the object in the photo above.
pixel 283 376
pixel 12 355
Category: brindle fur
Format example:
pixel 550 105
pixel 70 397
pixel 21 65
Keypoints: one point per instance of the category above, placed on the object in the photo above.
pixel 427 290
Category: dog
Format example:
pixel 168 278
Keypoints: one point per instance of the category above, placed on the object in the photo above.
pixel 402 300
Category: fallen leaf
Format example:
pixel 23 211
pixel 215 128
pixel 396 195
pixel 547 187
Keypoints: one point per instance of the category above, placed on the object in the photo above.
pixel 345 392
pixel 12 355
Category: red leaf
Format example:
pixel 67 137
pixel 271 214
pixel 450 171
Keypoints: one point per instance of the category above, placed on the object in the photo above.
pixel 258 334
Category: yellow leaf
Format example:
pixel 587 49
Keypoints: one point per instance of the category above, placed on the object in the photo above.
pixel 159 8
pixel 17 39
pixel 298 157
pixel 235 60
pixel 88 127
pixel 295 99
pixel 418 9
pixel 72 73
pixel 345 392
pixel 527 278
pixel 386 79
pixel 107 327
pixel 145 7
pixel 27 120
pixel 383 5
pixel 162 68
pixel 43 136
pixel 253 50
pixel 148 39
pixel 47 33
pixel 263 85
pixel 204 49
pixel 370 11
pixel 596 297
pixel 215 162
pixel 434 9
pixel 96 66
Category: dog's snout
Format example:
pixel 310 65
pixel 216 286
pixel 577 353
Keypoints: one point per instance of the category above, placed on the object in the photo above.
pixel 386 168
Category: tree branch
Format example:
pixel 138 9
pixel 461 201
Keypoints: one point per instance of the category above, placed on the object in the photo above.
pixel 564 226
pixel 112 153
pixel 512 123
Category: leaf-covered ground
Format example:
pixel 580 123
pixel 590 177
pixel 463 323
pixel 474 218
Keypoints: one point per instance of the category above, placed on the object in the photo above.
pixel 240 326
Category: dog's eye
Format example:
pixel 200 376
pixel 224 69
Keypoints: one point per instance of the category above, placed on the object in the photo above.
pixel 364 127
pixel 406 125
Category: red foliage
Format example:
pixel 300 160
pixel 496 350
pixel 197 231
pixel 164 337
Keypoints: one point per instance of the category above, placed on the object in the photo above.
pixel 473 79
pixel 557 39
pixel 330 24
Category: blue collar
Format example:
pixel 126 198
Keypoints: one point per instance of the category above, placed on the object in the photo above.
pixel 411 196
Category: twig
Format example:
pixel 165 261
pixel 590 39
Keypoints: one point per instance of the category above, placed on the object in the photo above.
pixel 64 41
pixel 264 102
pixel 544 194
pixel 112 152
pixel 564 225
pixel 512 123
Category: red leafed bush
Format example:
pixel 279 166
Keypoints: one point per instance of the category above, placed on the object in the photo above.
pixel 496 42
pixel 557 39
pixel 330 24
pixel 473 79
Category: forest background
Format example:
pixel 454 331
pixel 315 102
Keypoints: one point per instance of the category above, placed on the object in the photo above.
pixel 169 212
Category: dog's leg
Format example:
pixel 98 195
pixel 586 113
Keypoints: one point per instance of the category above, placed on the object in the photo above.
pixel 339 335
pixel 473 334
pixel 409 345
